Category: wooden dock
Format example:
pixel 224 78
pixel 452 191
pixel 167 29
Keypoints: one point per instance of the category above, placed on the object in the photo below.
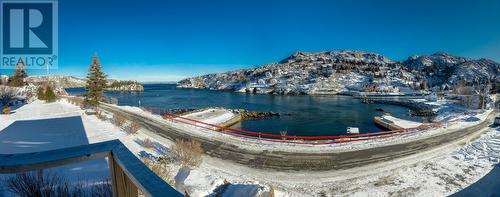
pixel 392 123
pixel 386 123
pixel 235 120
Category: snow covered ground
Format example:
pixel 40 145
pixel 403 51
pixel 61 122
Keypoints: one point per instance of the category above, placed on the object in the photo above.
pixel 379 180
pixel 450 110
pixel 251 144
pixel 440 175
pixel 43 126
pixel 407 124
pixel 212 116
pixel 429 174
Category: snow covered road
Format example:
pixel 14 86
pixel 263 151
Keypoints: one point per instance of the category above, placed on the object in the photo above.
pixel 230 150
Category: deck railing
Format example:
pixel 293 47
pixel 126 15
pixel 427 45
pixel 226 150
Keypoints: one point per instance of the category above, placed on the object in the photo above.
pixel 128 173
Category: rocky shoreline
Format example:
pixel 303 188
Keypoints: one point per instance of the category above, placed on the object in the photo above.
pixel 124 86
pixel 418 108
pixel 245 114
pixel 127 88
pixel 252 115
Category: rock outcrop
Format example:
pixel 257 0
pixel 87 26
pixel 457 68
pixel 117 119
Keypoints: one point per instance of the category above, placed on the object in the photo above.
pixel 245 114
pixel 125 86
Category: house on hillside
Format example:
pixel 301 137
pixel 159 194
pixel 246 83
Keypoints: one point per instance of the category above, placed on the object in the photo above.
pixel 471 97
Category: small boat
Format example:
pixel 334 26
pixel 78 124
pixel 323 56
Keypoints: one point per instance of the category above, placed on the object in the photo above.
pixel 352 130
pixel 379 109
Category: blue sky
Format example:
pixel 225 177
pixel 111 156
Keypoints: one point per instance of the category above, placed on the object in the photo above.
pixel 155 40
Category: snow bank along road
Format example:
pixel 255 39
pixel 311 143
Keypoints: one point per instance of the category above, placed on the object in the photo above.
pixel 284 161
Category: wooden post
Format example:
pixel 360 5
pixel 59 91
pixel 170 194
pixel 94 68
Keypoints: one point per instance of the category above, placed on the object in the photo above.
pixel 122 185
pixel 112 174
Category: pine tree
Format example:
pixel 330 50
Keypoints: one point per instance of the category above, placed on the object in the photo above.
pixel 49 95
pixel 96 82
pixel 41 93
pixel 46 93
pixel 17 79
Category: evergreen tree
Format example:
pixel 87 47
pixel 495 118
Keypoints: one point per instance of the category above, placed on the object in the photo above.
pixel 96 82
pixel 41 93
pixel 49 95
pixel 46 93
pixel 17 79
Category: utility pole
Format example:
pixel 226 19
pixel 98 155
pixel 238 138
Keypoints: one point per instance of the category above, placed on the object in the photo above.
pixel 47 66
pixel 47 72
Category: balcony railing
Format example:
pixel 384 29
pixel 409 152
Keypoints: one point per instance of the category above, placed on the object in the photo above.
pixel 128 173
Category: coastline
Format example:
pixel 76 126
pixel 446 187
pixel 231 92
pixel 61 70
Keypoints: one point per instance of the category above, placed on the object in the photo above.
pixel 306 148
pixel 291 183
pixel 169 98
pixel 418 108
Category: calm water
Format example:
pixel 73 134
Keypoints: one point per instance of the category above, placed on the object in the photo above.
pixel 303 115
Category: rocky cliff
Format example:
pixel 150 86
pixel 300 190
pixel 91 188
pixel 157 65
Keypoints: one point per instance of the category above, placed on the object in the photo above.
pixel 351 72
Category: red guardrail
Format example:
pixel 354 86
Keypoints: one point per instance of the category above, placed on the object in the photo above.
pixel 286 138
pixel 293 139
pixel 332 137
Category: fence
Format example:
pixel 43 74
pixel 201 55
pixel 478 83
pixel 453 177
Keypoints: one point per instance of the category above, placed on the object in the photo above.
pixel 287 138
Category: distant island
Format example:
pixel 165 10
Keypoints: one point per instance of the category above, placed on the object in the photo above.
pixel 355 73
pixel 124 86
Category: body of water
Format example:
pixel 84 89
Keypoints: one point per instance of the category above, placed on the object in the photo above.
pixel 302 115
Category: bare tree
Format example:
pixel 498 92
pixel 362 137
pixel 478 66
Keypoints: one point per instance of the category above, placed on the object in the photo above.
pixel 162 171
pixel 39 183
pixel 48 183
pixel 6 94
pixel 147 143
pixel 102 189
pixel 119 119
pixel 132 128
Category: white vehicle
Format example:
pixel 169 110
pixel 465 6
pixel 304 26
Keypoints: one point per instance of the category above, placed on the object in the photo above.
pixel 352 130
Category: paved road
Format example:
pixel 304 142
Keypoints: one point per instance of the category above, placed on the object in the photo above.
pixel 285 161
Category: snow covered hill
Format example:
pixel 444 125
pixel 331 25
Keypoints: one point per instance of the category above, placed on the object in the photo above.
pixel 441 68
pixel 334 72
pixel 62 81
